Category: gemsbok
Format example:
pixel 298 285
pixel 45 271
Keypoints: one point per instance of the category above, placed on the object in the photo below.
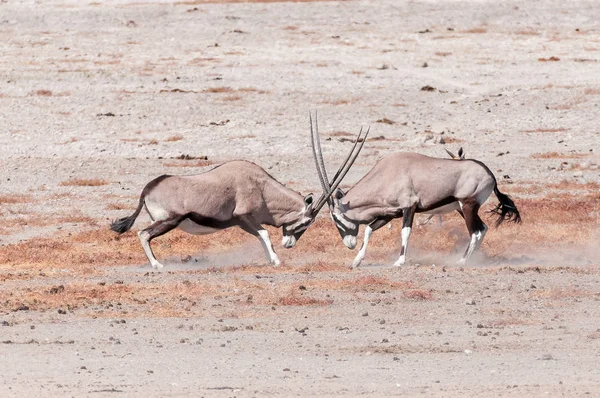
pixel 402 184
pixel 236 193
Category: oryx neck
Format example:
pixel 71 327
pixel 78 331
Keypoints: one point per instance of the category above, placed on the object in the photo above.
pixel 285 204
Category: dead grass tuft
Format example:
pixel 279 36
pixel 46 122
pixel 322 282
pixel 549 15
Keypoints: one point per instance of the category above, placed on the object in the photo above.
pixel 480 29
pixel 527 32
pixel 546 130
pixel 418 294
pixel 231 98
pixel 84 182
pixel 15 198
pixel 194 163
pixel 296 299
pixel 116 206
pixel 43 93
pixel 556 155
pixel 174 138
pixel 215 90
pixel 592 91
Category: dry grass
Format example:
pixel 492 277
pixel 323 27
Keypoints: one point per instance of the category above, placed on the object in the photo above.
pixel 218 90
pixel 101 247
pixel 189 163
pixel 592 91
pixel 198 2
pixel 232 98
pixel 546 130
pixel 479 29
pixel 556 155
pixel 549 59
pixel 418 294
pixel 527 32
pixel 84 182
pixel 15 198
pixel 174 138
pixel 117 206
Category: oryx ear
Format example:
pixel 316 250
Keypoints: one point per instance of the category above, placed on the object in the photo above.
pixel 309 200
pixel 461 153
pixel 338 194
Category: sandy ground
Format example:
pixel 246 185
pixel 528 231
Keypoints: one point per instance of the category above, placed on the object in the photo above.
pixel 97 98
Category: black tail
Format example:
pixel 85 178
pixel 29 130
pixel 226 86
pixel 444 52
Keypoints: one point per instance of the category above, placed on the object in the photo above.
pixel 124 224
pixel 506 209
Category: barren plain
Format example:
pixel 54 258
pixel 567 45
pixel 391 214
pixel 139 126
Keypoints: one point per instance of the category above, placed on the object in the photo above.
pixel 99 97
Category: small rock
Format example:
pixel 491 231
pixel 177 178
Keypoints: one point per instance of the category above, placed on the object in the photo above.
pixel 470 302
pixel 468 352
pixel 365 313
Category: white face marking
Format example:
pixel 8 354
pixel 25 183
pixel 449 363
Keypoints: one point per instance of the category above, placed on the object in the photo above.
pixel 350 241
pixel 340 219
pixel 288 241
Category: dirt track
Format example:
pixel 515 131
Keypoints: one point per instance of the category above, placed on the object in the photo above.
pixel 98 98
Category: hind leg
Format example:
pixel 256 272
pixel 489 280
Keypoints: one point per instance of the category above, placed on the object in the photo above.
pixel 475 225
pixel 407 221
pixel 157 228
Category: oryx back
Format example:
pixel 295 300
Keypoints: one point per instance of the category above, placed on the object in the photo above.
pixel 403 179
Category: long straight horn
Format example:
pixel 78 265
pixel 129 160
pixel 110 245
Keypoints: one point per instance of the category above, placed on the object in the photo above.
pixel 344 168
pixel 318 156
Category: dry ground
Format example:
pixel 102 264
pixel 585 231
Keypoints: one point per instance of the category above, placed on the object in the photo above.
pixel 99 97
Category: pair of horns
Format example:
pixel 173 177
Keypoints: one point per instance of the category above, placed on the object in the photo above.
pixel 328 188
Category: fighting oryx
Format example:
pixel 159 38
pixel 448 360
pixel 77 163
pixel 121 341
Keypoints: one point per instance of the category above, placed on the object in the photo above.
pixel 236 193
pixel 402 184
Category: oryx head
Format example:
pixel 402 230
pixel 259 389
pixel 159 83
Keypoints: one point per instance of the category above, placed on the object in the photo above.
pixel 292 231
pixel 347 228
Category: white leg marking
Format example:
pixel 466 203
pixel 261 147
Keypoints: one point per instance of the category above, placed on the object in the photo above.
pixel 405 235
pixel 363 249
pixel 268 247
pixel 143 236
pixel 474 244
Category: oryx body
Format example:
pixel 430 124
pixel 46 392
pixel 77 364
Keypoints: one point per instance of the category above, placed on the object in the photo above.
pixel 402 184
pixel 236 193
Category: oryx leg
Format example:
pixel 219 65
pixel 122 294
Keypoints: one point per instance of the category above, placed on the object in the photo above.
pixel 475 225
pixel 156 229
pixel 249 224
pixel 408 215
pixel 369 229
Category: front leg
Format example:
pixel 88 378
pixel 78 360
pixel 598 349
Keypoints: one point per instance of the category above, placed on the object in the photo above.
pixel 374 226
pixel 249 224
pixel 407 221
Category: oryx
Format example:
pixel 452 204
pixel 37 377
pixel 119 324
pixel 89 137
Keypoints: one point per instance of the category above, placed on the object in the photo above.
pixel 402 184
pixel 236 193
